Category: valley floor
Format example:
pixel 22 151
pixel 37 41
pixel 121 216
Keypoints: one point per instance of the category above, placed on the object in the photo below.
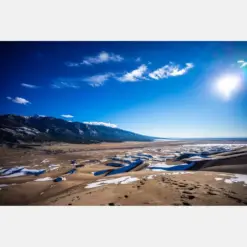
pixel 220 179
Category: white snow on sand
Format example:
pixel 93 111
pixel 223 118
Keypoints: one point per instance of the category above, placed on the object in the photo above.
pixel 212 148
pixel 177 173
pixel 121 180
pixel 53 167
pixel 43 179
pixel 129 180
pixel 238 178
pixel 23 172
pixel 17 174
pixel 45 161
pixel 197 158
pixel 164 165
pixel 3 185
pixel 11 170
pixel 151 176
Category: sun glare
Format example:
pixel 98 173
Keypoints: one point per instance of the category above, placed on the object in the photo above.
pixel 227 85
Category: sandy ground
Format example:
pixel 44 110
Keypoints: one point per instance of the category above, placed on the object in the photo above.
pixel 209 186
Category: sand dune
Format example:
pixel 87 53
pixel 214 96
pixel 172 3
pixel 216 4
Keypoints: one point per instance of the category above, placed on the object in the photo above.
pixel 214 181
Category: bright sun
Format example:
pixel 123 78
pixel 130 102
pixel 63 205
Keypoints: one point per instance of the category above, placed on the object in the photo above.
pixel 228 85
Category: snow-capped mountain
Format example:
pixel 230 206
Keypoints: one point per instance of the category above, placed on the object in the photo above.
pixel 37 128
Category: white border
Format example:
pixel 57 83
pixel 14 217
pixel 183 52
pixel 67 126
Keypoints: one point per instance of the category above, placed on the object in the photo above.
pixel 123 226
pixel 125 20
pixel 122 20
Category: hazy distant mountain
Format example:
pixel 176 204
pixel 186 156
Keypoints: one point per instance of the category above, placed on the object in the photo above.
pixel 15 128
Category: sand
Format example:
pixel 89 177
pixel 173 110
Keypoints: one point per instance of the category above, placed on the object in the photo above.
pixel 213 183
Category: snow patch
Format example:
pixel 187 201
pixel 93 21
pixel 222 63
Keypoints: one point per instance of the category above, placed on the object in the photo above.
pixel 166 167
pixel 150 176
pixel 3 185
pixel 53 167
pixel 21 171
pixel 178 173
pixel 11 170
pixel 28 131
pixel 121 180
pixel 238 178
pixel 43 179
pixel 102 123
pixel 45 161
pixel 218 179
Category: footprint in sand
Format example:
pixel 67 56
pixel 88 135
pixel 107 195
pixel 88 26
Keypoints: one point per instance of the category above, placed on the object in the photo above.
pixel 177 204
pixel 186 204
pixel 236 199
pixel 191 188
pixel 182 185
pixel 190 197
pixel 213 193
pixel 187 192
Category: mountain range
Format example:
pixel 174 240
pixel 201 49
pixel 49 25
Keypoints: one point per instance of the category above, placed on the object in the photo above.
pixel 17 129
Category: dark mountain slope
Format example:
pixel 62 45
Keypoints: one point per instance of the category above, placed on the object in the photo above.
pixel 15 128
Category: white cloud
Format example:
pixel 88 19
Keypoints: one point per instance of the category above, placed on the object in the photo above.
pixel 19 100
pixel 71 64
pixel 67 116
pixel 29 85
pixel 170 70
pixel 98 80
pixel 138 59
pixel 66 83
pixel 102 57
pixel 134 75
pixel 102 123
pixel 243 63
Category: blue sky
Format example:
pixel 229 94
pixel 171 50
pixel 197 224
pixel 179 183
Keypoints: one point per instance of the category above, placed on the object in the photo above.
pixel 166 89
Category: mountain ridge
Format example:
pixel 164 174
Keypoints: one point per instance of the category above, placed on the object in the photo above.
pixel 17 128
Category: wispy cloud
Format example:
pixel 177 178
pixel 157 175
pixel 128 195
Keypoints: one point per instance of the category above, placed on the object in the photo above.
pixel 102 123
pixel 170 70
pixel 66 83
pixel 134 75
pixel 71 64
pixel 29 85
pixel 67 116
pixel 243 63
pixel 19 100
pixel 138 59
pixel 102 57
pixel 98 80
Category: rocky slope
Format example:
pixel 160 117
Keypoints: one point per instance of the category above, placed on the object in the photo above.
pixel 15 128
